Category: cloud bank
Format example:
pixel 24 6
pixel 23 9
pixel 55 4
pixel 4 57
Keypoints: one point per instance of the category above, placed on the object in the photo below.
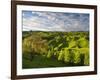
pixel 55 21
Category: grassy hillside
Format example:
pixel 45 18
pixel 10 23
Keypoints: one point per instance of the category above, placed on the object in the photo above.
pixel 55 49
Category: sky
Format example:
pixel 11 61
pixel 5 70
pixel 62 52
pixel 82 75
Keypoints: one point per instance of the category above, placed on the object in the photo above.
pixel 54 21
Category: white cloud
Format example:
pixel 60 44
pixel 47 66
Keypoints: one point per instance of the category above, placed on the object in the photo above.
pixel 50 21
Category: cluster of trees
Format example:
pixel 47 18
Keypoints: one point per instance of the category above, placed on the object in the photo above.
pixel 71 48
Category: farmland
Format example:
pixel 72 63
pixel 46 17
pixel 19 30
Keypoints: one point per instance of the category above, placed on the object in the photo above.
pixel 41 49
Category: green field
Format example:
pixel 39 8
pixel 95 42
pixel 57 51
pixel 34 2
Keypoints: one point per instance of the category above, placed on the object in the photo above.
pixel 54 49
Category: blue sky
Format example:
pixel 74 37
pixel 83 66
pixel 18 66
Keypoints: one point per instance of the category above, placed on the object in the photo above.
pixel 55 21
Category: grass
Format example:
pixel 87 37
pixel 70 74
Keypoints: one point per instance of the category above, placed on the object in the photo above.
pixel 41 62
